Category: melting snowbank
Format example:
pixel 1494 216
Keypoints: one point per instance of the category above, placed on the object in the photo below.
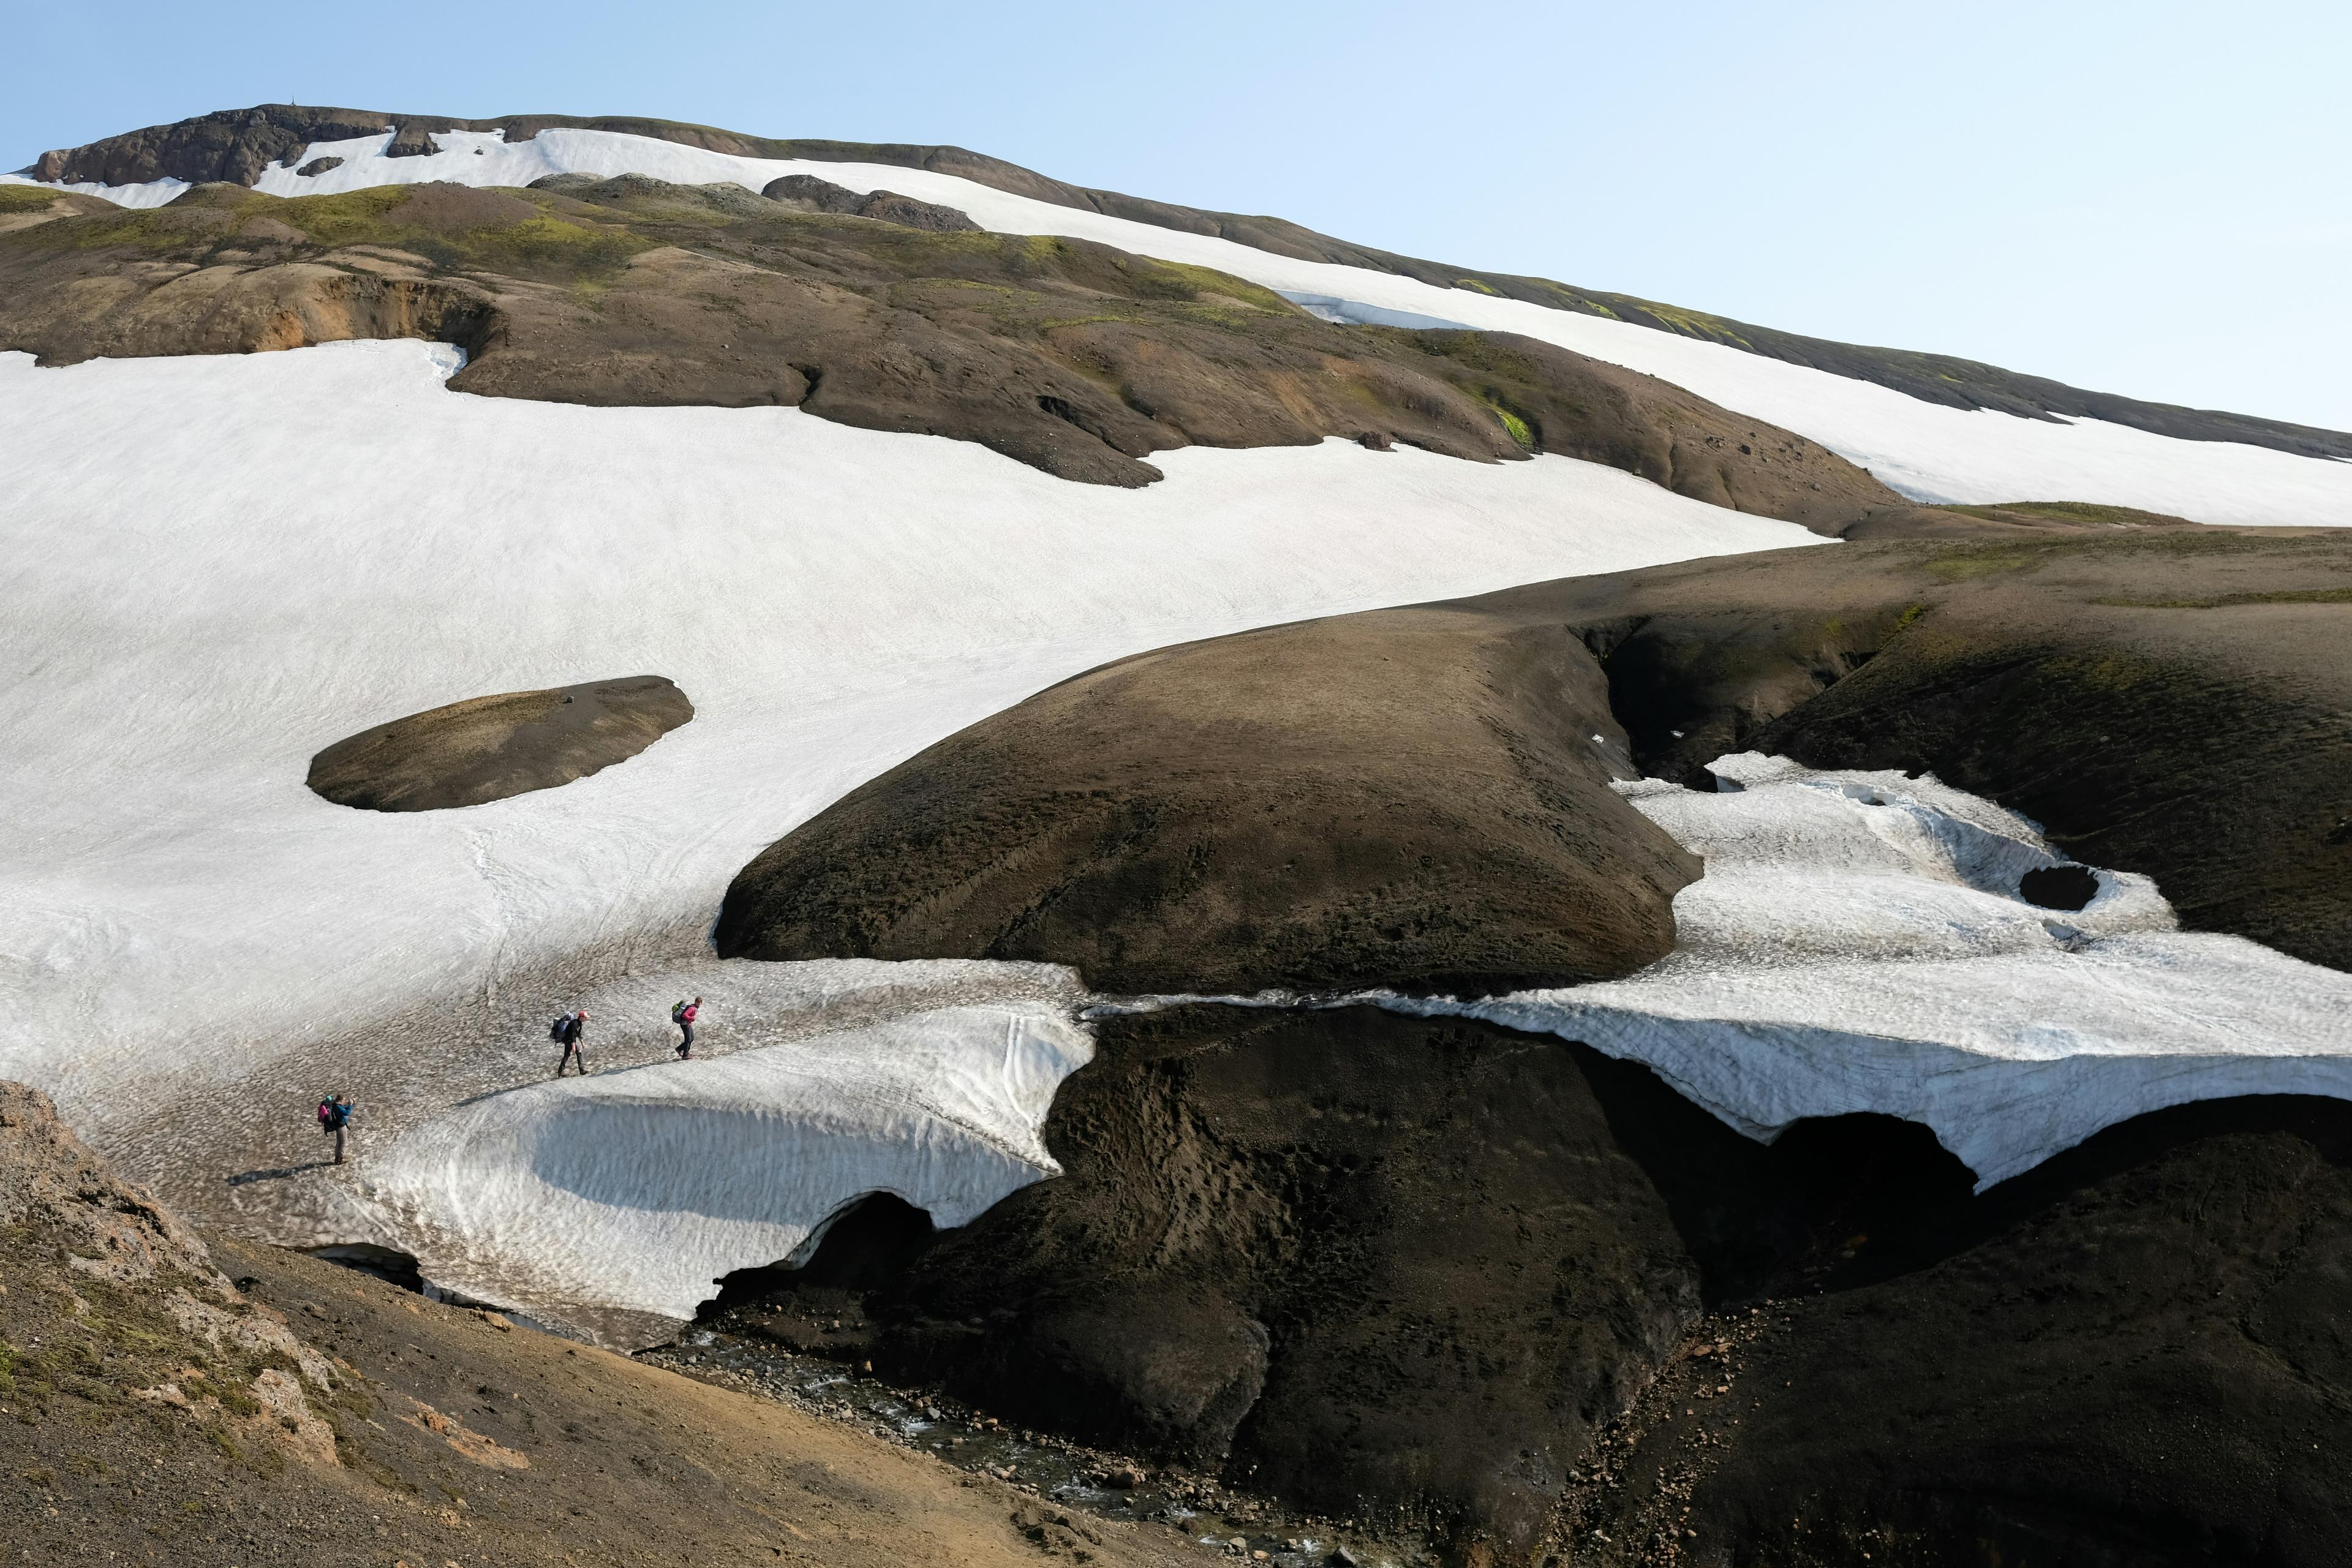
pixel 1927 451
pixel 1858 943
pixel 636 1191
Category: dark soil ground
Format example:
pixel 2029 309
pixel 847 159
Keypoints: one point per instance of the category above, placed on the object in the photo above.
pixel 235 145
pixel 488 748
pixel 1074 357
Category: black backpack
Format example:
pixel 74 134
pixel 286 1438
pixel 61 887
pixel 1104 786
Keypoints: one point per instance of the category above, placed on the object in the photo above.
pixel 560 1029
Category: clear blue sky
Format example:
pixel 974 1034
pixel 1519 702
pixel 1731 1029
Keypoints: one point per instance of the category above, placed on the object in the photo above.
pixel 2148 198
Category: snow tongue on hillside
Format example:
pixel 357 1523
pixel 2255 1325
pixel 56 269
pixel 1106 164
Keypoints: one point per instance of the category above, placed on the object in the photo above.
pixel 1928 452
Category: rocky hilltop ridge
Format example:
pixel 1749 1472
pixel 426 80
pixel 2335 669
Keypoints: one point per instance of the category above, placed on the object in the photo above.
pixel 237 145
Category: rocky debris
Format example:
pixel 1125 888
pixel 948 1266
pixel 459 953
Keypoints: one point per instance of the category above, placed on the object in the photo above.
pixel 317 166
pixel 469 1446
pixel 111 1302
pixel 810 194
pixel 488 748
pixel 53 1184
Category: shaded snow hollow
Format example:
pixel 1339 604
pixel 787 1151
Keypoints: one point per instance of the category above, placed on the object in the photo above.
pixel 1928 452
pixel 637 1191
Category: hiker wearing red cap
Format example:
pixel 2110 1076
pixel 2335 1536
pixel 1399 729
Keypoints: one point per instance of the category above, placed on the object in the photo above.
pixel 568 1029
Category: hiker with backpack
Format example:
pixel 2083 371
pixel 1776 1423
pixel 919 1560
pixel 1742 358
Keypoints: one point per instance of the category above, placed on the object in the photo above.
pixel 335 1120
pixel 683 1015
pixel 568 1030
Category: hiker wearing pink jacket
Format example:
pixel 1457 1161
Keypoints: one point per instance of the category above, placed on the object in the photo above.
pixel 684 1015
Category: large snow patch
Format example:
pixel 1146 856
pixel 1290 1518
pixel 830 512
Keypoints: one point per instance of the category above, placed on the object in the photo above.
pixel 211 567
pixel 1926 451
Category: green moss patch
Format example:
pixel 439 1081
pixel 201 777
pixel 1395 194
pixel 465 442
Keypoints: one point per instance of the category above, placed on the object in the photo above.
pixel 24 198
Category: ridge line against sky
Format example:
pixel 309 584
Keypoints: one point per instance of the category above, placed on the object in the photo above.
pixel 2152 200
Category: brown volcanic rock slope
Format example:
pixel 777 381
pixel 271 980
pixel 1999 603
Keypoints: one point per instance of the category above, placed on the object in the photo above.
pixel 1410 797
pixel 1414 797
pixel 309 1415
pixel 1071 356
pixel 235 145
pixel 2172 703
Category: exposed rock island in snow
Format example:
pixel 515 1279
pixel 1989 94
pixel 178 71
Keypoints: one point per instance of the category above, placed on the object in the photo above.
pixel 1859 943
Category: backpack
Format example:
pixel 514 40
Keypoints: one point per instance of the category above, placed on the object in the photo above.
pixel 677 1012
pixel 326 1113
pixel 339 1116
pixel 555 1030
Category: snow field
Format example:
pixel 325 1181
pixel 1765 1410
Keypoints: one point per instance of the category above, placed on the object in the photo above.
pixel 1928 452
pixel 1857 943
pixel 213 567
pixel 637 1191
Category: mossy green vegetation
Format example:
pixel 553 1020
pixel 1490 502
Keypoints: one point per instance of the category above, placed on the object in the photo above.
pixel 24 198
pixel 2223 601
pixel 1475 286
pixel 1515 427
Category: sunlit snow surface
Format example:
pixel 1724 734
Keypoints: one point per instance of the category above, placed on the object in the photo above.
pixel 1857 943
pixel 1928 452
pixel 213 567
pixel 633 1192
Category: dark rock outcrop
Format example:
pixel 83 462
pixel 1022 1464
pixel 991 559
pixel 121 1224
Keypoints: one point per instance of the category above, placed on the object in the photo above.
pixel 320 166
pixel 2133 1354
pixel 1413 798
pixel 2172 703
pixel 1377 1264
pixel 488 748
pixel 810 194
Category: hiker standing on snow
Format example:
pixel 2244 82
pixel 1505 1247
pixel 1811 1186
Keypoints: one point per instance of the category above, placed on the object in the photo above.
pixel 334 1119
pixel 568 1029
pixel 683 1015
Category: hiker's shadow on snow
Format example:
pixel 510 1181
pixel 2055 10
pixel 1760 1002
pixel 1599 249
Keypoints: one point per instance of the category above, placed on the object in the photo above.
pixel 246 1178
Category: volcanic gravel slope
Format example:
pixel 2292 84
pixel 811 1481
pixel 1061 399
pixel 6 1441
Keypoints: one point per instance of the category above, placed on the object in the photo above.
pixel 310 1414
pixel 240 145
pixel 1066 354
